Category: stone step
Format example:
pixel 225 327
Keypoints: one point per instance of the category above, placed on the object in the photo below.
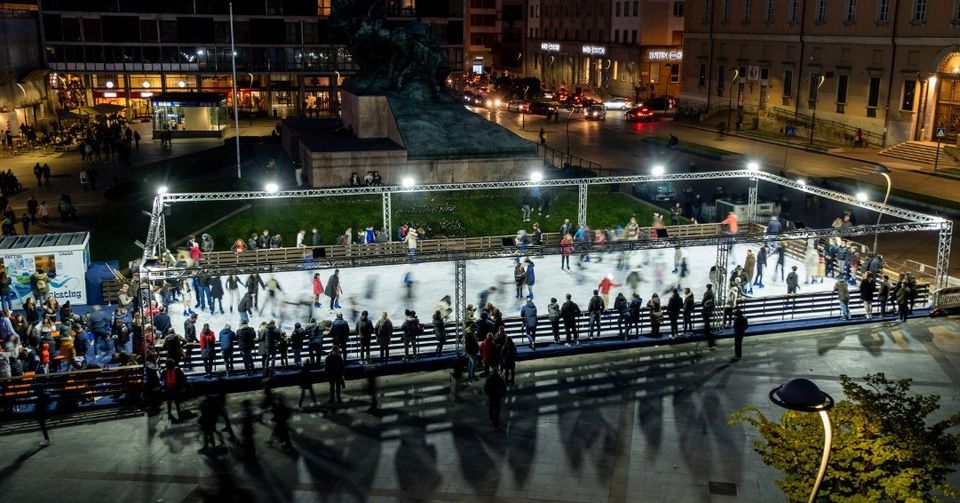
pixel 920 152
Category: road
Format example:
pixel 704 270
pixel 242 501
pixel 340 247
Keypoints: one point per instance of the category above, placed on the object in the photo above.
pixel 618 145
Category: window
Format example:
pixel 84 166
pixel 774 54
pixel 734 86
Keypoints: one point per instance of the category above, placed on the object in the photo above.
pixel 883 11
pixel 616 36
pixel 909 93
pixel 617 10
pixel 768 11
pixel 794 11
pixel 636 9
pixel 633 37
pixel 816 80
pixel 721 80
pixel 956 11
pixel 842 81
pixel 702 75
pixel 707 13
pixel 677 9
pixel 725 13
pixel 787 83
pixel 674 74
pixel 873 96
pixel 850 15
pixel 919 11
pixel 821 12
pixel 747 7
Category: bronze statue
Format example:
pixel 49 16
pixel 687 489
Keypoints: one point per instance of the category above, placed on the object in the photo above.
pixel 407 60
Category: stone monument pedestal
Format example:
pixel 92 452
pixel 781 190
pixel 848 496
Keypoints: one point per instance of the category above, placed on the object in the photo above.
pixel 429 141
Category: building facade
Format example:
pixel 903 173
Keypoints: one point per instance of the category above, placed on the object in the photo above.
pixel 630 48
pixel 888 67
pixel 289 60
pixel 23 88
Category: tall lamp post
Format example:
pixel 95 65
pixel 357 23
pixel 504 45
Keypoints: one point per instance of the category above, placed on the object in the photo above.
pixel 736 74
pixel 568 132
pixel 883 171
pixel 816 95
pixel 804 396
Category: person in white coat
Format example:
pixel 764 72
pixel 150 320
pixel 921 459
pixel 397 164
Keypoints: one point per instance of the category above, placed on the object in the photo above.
pixel 811 262
pixel 411 240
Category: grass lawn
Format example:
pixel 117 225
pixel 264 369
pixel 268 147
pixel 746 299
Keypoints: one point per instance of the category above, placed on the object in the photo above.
pixel 455 214
pixel 120 221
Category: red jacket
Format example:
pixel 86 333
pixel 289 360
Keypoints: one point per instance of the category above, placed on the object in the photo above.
pixel 45 354
pixel 206 338
pixel 490 352
pixel 195 253
pixel 606 284
pixel 317 286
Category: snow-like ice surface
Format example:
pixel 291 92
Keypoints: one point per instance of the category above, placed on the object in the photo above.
pixel 381 288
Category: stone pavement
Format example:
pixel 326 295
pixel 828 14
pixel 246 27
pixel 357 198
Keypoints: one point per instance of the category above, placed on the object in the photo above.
pixel 625 426
pixel 65 171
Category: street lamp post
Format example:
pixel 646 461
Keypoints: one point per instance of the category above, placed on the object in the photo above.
pixel 568 132
pixel 816 96
pixel 736 74
pixel 883 171
pixel 804 396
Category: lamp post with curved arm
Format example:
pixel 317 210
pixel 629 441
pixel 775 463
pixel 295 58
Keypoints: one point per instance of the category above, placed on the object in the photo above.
pixel 804 396
pixel 883 171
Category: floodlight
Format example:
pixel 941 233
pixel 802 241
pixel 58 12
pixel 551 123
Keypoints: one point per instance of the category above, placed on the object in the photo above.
pixel 658 170
pixel 272 188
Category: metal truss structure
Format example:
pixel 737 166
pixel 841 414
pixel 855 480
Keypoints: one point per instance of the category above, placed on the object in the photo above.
pixel 720 291
pixel 909 221
pixel 460 300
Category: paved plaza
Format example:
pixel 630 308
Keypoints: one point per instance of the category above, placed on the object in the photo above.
pixel 626 426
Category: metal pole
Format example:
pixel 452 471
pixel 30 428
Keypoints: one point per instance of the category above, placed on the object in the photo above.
pixel 236 98
pixel 736 73
pixel 827 443
pixel 943 259
pixel 880 214
pixel 582 204
pixel 816 96
pixel 936 158
pixel 387 216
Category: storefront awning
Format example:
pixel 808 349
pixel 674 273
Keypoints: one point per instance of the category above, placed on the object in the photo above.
pixel 200 99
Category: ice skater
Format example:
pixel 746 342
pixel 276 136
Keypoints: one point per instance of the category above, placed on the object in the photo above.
pixel 761 264
pixel 317 289
pixel 334 289
pixel 272 298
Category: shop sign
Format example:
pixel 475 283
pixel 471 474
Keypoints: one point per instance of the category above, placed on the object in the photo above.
pixel 664 55
pixel 594 50
pixel 550 46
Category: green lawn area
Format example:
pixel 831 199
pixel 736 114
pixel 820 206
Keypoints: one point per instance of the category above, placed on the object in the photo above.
pixel 120 221
pixel 456 214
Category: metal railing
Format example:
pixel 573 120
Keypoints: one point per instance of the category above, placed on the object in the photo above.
pixel 842 131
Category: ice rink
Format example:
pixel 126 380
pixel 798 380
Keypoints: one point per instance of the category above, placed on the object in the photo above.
pixel 381 288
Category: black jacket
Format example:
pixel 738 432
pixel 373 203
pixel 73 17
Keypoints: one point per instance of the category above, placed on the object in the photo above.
pixel 569 311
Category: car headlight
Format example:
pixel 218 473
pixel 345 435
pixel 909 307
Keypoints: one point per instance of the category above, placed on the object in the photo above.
pixel 497 103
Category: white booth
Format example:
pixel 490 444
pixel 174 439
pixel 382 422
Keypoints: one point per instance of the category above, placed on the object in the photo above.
pixel 741 210
pixel 64 258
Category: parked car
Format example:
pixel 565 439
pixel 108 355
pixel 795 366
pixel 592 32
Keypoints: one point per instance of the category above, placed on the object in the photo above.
pixel 467 98
pixel 477 100
pixel 656 191
pixel 549 94
pixel 595 112
pixel 617 103
pixel 518 106
pixel 659 104
pixel 639 114
pixel 542 107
